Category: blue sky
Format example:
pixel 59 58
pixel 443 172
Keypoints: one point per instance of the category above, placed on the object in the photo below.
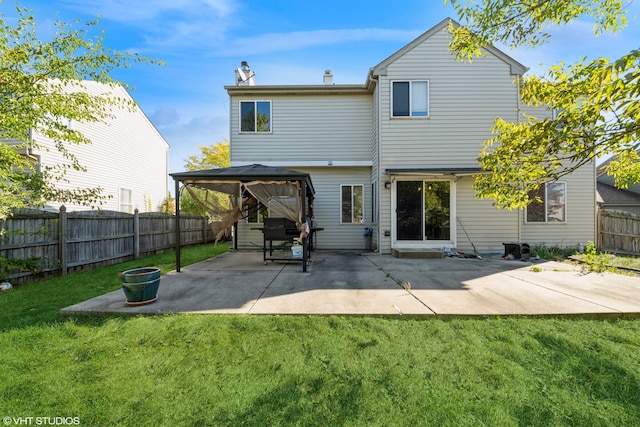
pixel 285 42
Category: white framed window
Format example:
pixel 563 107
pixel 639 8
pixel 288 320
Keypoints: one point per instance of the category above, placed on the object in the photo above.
pixel 126 200
pixel 255 116
pixel 351 204
pixel 410 98
pixel 255 211
pixel 552 206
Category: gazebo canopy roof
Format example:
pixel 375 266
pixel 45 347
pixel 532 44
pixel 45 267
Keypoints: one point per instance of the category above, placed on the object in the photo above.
pixel 287 193
pixel 246 173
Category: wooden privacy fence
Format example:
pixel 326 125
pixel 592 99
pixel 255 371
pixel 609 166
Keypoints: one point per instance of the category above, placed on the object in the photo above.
pixel 63 242
pixel 618 232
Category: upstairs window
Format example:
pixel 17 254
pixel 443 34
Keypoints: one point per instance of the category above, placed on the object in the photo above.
pixel 255 116
pixel 552 206
pixel 352 204
pixel 410 99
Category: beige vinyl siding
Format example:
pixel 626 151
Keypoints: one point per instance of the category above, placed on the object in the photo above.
pixel 335 235
pixel 580 226
pixel 378 187
pixel 307 128
pixel 248 238
pixel 327 183
pixel 488 227
pixel 128 153
pixel 464 100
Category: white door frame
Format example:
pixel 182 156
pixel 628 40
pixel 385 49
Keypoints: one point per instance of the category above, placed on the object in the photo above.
pixel 424 244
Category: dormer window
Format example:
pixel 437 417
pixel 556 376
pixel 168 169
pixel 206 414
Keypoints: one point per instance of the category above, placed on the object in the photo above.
pixel 410 98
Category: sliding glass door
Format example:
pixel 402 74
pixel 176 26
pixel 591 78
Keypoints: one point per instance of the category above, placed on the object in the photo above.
pixel 423 210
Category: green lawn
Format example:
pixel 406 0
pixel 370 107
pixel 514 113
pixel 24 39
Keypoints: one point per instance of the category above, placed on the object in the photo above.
pixel 234 370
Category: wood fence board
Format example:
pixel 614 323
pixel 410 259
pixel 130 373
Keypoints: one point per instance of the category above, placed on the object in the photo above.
pixel 93 238
pixel 619 232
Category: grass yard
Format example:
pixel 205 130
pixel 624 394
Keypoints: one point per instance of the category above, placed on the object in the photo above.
pixel 230 370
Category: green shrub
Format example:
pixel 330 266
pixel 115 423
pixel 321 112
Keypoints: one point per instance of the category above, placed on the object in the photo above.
pixel 595 261
pixel 554 253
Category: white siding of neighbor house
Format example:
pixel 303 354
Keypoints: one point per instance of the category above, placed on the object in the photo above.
pixel 308 128
pixel 128 153
pixel 327 182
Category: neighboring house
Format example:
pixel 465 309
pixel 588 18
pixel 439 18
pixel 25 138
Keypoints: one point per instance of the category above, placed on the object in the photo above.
pixel 127 157
pixel 398 153
pixel 610 197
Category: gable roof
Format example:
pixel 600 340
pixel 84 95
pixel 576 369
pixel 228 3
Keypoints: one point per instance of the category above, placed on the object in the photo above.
pixel 380 69
pixel 609 194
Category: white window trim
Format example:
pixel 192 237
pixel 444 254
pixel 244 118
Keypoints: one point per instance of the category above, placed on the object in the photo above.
pixel 453 237
pixel 255 101
pixel 546 219
pixel 410 117
pixel 259 216
pixel 352 205
pixel 121 203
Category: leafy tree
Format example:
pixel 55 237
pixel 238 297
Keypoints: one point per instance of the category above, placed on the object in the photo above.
pixel 41 89
pixel 210 157
pixel 595 101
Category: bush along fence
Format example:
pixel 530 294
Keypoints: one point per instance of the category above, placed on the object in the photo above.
pixel 36 244
pixel 618 232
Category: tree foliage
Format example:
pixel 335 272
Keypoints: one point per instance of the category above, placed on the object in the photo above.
pixel 210 157
pixel 595 102
pixel 41 89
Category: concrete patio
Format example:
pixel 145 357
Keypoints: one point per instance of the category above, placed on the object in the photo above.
pixel 350 283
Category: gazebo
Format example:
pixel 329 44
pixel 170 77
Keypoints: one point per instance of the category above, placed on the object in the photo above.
pixel 287 193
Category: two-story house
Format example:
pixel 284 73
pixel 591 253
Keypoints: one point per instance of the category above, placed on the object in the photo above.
pixel 399 153
pixel 127 157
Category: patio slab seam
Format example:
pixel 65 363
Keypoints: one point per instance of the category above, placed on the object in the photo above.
pixel 590 301
pixel 266 288
pixel 404 285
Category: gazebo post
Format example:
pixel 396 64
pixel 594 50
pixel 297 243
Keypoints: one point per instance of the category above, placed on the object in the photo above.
pixel 235 235
pixel 242 174
pixel 305 250
pixel 178 226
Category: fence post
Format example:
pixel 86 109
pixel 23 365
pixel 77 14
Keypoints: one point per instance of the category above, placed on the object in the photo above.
pixel 204 229
pixel 62 240
pixel 136 234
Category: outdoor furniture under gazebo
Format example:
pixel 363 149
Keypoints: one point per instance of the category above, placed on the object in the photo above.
pixel 288 194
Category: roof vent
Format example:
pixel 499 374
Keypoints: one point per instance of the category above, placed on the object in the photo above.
pixel 328 77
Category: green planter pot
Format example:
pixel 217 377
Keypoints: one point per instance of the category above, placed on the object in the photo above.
pixel 138 275
pixel 140 285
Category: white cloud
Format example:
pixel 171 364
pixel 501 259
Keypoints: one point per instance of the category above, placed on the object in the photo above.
pixel 184 137
pixel 165 23
pixel 139 12
pixel 298 40
pixel 164 116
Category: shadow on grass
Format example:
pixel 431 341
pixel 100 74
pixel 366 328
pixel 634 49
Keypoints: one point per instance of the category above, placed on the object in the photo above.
pixel 39 303
pixel 314 401
pixel 589 381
